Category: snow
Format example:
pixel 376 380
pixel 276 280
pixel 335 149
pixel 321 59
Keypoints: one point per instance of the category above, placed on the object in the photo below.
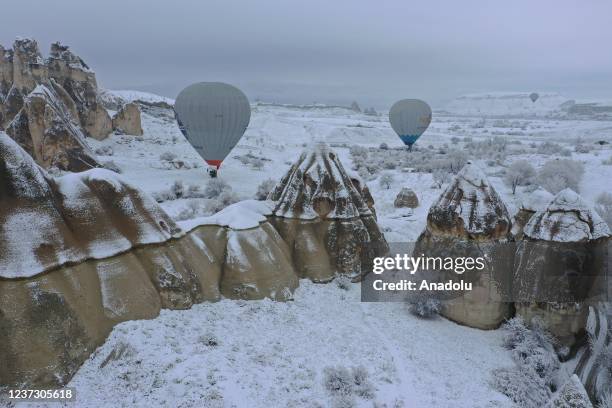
pixel 273 354
pixel 264 353
pixel 240 216
pixel 127 96
pixel 567 218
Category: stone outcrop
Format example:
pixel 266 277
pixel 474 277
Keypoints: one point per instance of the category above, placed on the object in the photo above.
pixel 44 127
pixel 470 220
pixel 406 198
pixel 127 120
pixel 561 265
pixel 326 218
pixel 535 201
pixel 73 85
pixel 85 251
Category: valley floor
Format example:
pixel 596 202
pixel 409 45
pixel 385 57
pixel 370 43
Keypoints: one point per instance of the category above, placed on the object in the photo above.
pixel 268 354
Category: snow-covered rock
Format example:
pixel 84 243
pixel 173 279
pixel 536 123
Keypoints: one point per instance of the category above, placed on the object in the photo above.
pixel 406 198
pixel 469 219
pixel 24 68
pixel 127 120
pixel 567 218
pixel 531 203
pixel 45 127
pixel 89 250
pixel 326 217
pixel 469 208
pixel 561 265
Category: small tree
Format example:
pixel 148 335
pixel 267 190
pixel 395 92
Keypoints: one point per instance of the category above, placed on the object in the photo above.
pixel 519 173
pixel 355 106
pixel 386 179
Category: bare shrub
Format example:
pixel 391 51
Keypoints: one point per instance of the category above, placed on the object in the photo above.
pixel 167 156
pixel 559 174
pixel 264 189
pixel 386 180
pixel 424 306
pixel 519 173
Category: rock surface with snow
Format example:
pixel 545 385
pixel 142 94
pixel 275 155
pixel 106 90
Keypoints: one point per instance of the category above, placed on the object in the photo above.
pixel 23 68
pixel 561 265
pixel 469 219
pixel 326 217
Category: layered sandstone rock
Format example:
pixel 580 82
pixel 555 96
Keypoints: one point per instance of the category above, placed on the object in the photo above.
pixel 23 68
pixel 470 220
pixel 326 218
pixel 46 129
pixel 83 252
pixel 127 120
pixel 561 265
pixel 406 198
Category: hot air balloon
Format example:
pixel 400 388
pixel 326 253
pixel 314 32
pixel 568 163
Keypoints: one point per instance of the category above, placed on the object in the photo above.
pixel 534 96
pixel 409 118
pixel 213 116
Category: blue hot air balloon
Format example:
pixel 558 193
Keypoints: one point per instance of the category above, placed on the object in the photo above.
pixel 409 118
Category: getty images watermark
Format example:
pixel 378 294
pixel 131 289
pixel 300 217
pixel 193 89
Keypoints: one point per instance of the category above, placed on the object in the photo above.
pixel 499 271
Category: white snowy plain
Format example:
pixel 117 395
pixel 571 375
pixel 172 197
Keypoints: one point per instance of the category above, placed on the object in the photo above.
pixel 271 354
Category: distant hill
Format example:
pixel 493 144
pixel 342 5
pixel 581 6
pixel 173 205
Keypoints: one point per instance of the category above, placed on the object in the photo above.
pixel 506 104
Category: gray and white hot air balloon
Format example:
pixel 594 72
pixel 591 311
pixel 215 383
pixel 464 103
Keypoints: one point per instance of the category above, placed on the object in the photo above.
pixel 534 96
pixel 410 118
pixel 213 116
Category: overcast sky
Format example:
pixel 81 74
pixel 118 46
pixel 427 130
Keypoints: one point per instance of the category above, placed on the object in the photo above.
pixel 332 51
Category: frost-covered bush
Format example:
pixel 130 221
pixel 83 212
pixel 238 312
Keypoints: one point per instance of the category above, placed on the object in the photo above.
pixel 455 140
pixel 603 206
pixel 167 156
pixel 343 282
pixel 383 146
pixel 224 199
pixel 559 174
pixel 386 180
pixel 530 382
pixel 112 166
pixel 548 148
pixel 605 400
pixel 192 210
pixel 607 162
pixel 341 382
pixel 104 151
pixel 215 187
pixel 358 151
pixel 264 188
pixel 582 148
pixel 424 307
pixel 522 385
pixel 456 160
pixel 519 173
pixel 440 177
pixel 178 190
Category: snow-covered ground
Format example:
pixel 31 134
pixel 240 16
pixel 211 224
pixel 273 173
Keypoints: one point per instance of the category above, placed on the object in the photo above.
pixel 263 354
pixel 269 354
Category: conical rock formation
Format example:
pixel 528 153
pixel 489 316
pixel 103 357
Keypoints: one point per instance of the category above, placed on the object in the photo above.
pixel 326 217
pixel 561 265
pixel 470 220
